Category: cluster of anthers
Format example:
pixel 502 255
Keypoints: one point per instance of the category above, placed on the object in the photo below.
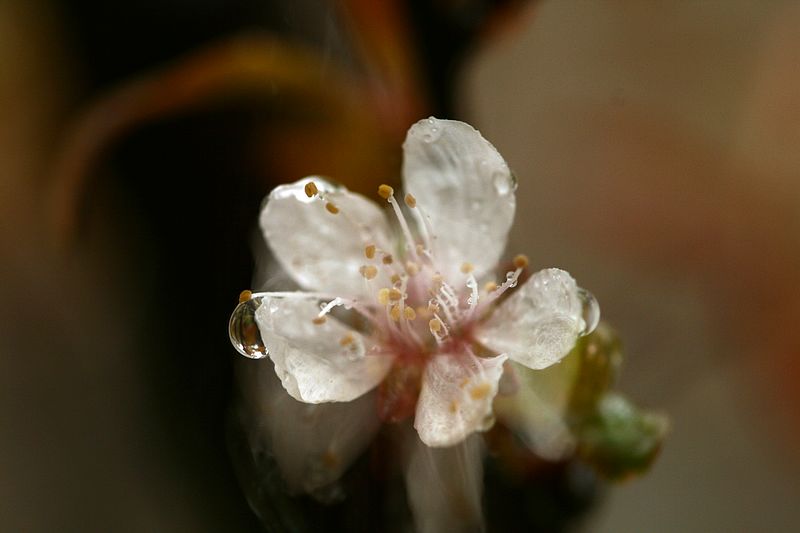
pixel 431 326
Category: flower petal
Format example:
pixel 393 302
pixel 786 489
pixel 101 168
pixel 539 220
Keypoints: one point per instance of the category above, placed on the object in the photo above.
pixel 464 189
pixel 538 325
pixel 456 397
pixel 537 410
pixel 445 486
pixel 313 445
pixel 319 249
pixel 317 363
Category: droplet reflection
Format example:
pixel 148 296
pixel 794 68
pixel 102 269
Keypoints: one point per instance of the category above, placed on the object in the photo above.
pixel 243 329
pixel 591 311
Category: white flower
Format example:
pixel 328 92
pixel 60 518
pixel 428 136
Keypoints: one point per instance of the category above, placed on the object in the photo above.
pixel 432 326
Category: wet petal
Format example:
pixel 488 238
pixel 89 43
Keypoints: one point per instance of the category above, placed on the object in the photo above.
pixel 316 363
pixel 456 398
pixel 465 190
pixel 445 486
pixel 319 249
pixel 313 445
pixel 539 324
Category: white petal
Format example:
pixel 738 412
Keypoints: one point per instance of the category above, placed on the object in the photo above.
pixel 313 445
pixel 311 360
pixel 464 188
pixel 444 487
pixel 538 325
pixel 456 397
pixel 537 410
pixel 320 250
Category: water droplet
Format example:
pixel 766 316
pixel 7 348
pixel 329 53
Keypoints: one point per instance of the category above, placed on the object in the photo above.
pixel 511 280
pixel 243 330
pixel 591 311
pixel 428 130
pixel 504 182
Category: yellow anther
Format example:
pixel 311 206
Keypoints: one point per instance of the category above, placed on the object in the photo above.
pixel 388 259
pixel 480 391
pixel 409 313
pixel 395 313
pixel 385 192
pixel 395 294
pixel 383 296
pixel 332 209
pixel 347 340
pixel 311 189
pixel 420 249
pixel 490 286
pixel 411 201
pixel 436 282
pixel 368 271
pixel 435 325
pixel 244 296
pixel 521 261
pixel 319 320
pixel 453 406
pixel 412 268
pixel 466 268
pixel 395 278
pixel 463 383
pixel 433 307
pixel 369 251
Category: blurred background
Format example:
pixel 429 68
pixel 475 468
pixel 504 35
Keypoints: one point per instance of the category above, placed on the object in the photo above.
pixel 656 144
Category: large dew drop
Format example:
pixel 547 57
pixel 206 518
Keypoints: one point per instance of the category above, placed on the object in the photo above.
pixel 591 311
pixel 243 329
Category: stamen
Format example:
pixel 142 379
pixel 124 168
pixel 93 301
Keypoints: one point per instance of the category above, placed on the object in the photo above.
pixel 332 209
pixel 510 282
pixel 395 313
pixel 388 193
pixel 438 329
pixel 472 301
pixel 347 340
pixel 490 286
pixel 388 259
pixel 383 296
pixel 395 278
pixel 395 294
pixel 521 261
pixel 368 271
pixel 319 320
pixel 412 268
pixel 385 191
pixel 411 201
pixel 453 406
pixel 369 251
pixel 467 267
pixel 311 189
pixel 245 296
pixel 409 313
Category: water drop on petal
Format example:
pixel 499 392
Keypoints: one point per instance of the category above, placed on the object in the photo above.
pixel 243 330
pixel 504 182
pixel 591 311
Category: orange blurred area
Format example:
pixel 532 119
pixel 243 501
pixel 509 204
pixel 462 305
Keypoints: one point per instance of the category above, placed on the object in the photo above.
pixel 656 146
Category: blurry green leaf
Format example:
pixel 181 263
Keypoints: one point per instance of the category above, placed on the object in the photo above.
pixel 620 440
